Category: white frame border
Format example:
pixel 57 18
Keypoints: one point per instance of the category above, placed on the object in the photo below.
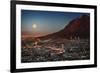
pixel 20 65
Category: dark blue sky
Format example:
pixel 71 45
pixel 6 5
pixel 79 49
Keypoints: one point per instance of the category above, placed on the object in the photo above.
pixel 46 21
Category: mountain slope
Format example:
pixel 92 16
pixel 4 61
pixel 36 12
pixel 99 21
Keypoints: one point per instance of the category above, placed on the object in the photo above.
pixel 79 27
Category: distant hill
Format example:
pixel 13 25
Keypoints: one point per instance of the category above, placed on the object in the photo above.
pixel 79 27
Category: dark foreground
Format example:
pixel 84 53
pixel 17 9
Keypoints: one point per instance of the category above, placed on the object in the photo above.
pixel 55 50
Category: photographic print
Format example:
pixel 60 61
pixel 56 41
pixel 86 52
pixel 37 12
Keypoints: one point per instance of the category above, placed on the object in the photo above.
pixel 49 36
pixel 54 36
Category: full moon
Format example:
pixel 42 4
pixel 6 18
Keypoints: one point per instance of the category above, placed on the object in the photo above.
pixel 34 26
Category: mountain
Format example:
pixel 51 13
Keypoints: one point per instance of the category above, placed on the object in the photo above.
pixel 79 27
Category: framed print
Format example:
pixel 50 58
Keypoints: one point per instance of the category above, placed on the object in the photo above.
pixel 52 36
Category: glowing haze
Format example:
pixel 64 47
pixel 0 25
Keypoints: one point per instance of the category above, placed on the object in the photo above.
pixel 40 23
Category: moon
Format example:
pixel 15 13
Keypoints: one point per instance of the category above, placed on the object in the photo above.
pixel 34 26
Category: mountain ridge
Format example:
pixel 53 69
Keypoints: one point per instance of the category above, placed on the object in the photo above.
pixel 79 27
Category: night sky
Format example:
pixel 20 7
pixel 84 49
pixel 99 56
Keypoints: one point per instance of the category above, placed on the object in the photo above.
pixel 46 21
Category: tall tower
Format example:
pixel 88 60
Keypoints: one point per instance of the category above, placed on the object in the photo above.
pixel 62 46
